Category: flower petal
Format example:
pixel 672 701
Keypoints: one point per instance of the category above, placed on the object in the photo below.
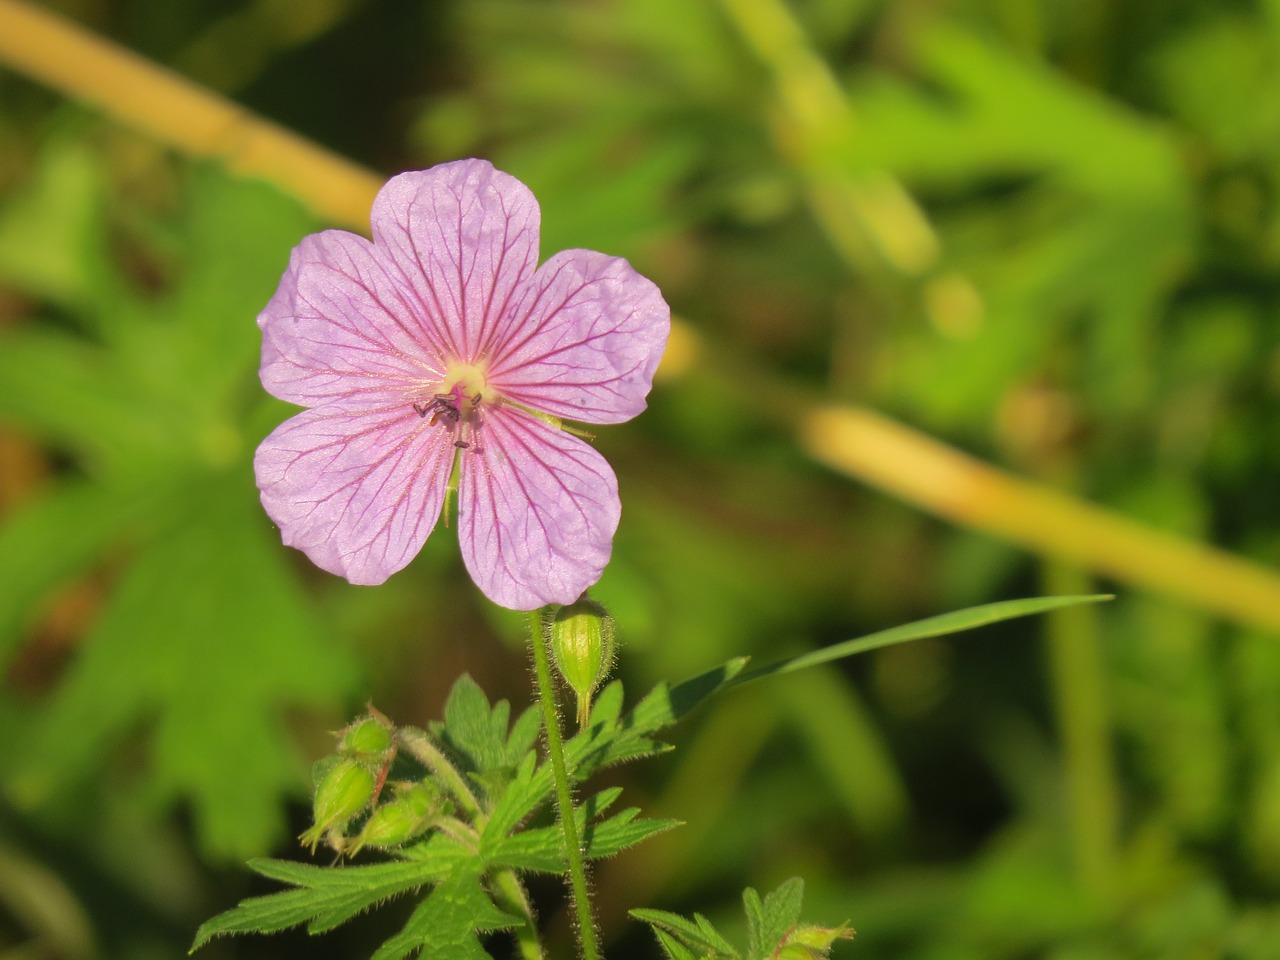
pixel 340 329
pixel 357 492
pixel 589 337
pixel 464 237
pixel 537 510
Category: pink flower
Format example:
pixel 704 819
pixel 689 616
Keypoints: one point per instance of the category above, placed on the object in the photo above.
pixel 441 346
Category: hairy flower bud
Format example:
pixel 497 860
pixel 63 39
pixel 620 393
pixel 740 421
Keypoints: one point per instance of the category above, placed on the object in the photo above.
pixel 810 942
pixel 369 739
pixel 414 810
pixel 343 789
pixel 582 647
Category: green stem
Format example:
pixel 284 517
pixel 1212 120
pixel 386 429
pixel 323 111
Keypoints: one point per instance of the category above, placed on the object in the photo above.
pixel 1078 670
pixel 424 750
pixel 509 893
pixel 564 800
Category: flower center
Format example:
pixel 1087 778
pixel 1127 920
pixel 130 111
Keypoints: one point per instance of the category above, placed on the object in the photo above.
pixel 465 381
pixel 456 404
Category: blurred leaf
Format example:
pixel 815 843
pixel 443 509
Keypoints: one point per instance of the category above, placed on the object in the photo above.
pixel 1220 78
pixel 1100 230
pixel 50 232
pixel 849 751
pixel 213 666
pixel 58 535
pixel 238 236
pixel 205 632
pixel 72 395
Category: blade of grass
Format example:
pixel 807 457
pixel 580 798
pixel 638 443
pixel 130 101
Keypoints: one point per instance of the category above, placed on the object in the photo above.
pixel 938 626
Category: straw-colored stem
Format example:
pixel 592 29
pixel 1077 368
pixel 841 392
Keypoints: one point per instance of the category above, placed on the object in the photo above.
pixel 176 111
pixel 861 443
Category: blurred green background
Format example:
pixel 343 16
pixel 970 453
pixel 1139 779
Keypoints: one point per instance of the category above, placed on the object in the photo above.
pixel 1045 231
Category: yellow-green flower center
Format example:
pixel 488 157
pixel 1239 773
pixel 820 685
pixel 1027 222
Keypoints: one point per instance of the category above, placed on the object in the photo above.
pixel 465 381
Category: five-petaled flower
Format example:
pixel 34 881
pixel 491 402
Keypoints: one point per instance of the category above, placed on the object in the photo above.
pixel 441 349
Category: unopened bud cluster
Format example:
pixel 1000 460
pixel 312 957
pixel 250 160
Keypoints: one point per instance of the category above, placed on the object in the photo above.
pixel 582 648
pixel 350 791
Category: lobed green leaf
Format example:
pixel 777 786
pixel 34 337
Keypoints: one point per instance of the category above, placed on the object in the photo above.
pixel 324 897
pixel 769 921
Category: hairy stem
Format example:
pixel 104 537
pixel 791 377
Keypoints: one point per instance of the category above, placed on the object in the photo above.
pixel 423 749
pixel 564 799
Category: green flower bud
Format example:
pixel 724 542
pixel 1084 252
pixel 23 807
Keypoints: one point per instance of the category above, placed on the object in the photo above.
pixel 344 789
pixel 809 942
pixel 370 739
pixel 412 813
pixel 582 647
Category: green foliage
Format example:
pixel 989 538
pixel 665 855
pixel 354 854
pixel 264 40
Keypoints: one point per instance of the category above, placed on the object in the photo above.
pixel 497 829
pixel 1102 183
pixel 205 631
pixel 462 858
pixel 774 931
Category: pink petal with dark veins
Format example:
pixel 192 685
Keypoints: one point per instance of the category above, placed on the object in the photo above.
pixel 339 328
pixel 587 339
pixel 464 237
pixel 358 492
pixel 537 510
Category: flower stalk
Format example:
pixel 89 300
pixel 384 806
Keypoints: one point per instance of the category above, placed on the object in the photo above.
pixel 590 949
pixel 422 748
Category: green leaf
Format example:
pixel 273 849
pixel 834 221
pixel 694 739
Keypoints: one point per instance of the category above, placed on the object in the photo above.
pixel 541 848
pixel 697 932
pixel 208 634
pixel 323 897
pixel 664 705
pixel 622 830
pixel 480 732
pixel 768 922
pixel 69 393
pixel 773 929
pixel 444 925
pixel 50 233
pixel 673 948
pixel 526 791
pixel 238 234
pixel 605 740
pixel 77 518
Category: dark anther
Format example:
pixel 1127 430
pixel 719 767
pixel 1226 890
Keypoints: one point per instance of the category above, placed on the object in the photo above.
pixel 441 405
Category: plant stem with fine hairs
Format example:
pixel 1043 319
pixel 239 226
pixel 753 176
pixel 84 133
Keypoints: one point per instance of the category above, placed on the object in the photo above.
pixel 564 799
